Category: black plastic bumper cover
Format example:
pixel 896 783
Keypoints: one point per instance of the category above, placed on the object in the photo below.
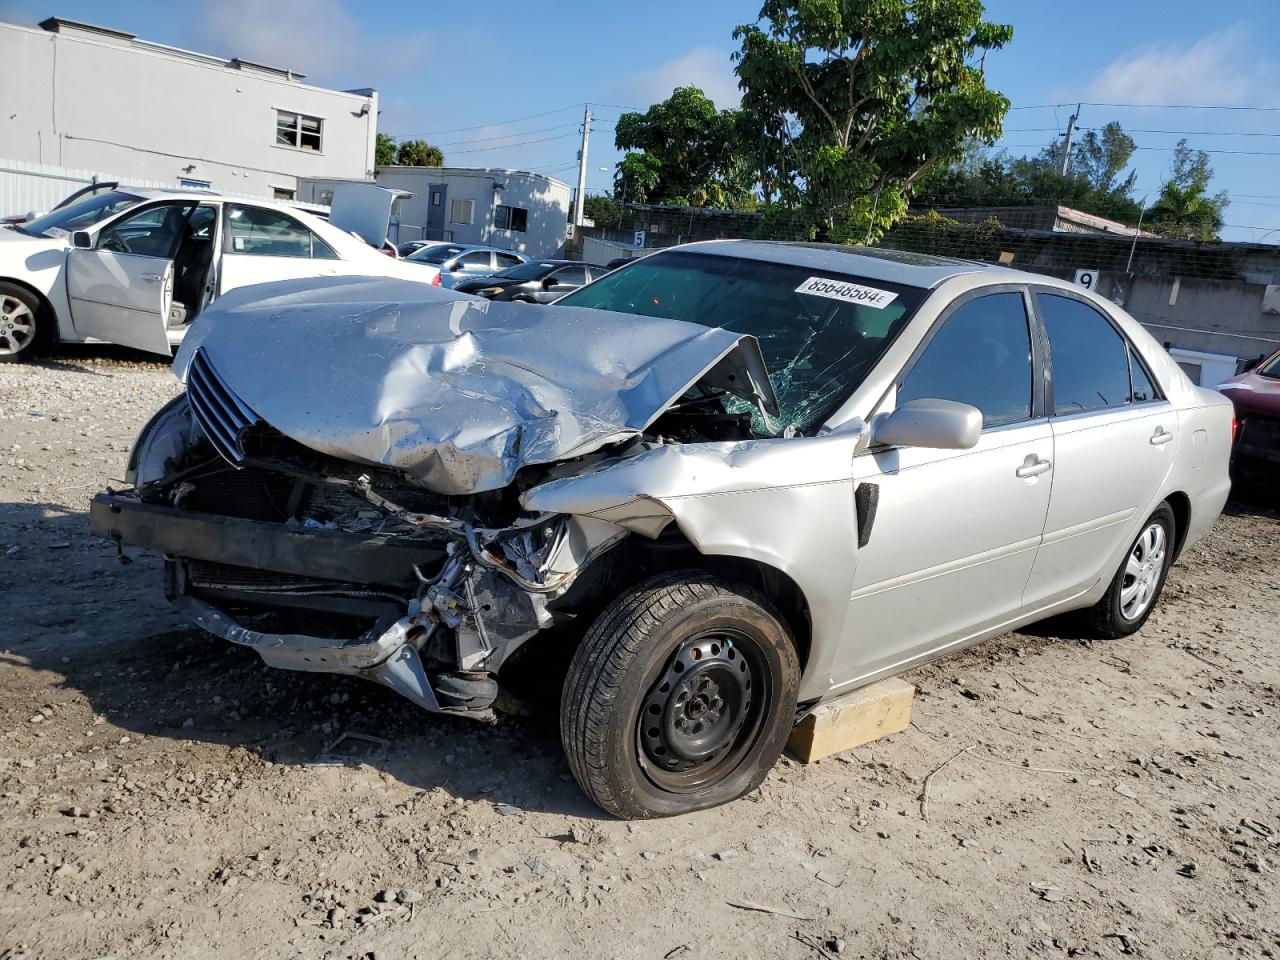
pixel 323 554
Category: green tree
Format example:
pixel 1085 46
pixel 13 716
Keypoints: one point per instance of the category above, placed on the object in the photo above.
pixel 384 151
pixel 1097 158
pixel 1185 210
pixel 866 96
pixel 1095 181
pixel 682 151
pixel 419 153
pixel 602 210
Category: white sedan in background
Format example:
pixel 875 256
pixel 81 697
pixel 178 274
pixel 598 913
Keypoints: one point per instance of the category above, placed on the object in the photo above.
pixel 135 267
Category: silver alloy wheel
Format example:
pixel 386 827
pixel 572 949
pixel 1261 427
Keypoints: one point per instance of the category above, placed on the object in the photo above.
pixel 1142 572
pixel 17 325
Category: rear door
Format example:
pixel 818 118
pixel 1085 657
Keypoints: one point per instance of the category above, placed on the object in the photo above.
pixel 121 290
pixel 262 244
pixel 1114 442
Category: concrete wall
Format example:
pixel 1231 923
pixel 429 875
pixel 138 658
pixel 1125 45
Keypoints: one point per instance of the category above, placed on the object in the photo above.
pixel 79 99
pixel 545 199
pixel 1215 316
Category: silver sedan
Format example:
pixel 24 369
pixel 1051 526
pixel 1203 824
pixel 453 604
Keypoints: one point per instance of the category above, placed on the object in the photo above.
pixel 749 478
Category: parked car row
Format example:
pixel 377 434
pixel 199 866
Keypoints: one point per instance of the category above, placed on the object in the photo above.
pixel 136 266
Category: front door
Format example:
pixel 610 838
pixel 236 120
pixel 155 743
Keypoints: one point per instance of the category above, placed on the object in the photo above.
pixel 121 290
pixel 956 531
pixel 1114 440
pixel 564 281
pixel 436 196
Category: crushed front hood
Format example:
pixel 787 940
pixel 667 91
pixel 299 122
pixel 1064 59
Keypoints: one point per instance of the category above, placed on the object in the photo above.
pixel 457 391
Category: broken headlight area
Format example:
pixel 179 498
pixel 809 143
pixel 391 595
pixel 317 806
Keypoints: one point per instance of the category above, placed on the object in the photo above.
pixel 322 564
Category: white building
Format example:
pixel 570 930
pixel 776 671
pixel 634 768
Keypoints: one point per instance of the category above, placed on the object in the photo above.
pixel 511 209
pixel 76 96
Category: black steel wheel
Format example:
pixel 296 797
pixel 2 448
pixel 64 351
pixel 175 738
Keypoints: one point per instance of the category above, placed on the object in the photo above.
pixel 680 697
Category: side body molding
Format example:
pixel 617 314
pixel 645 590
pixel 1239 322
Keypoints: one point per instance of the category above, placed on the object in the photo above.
pixel 786 503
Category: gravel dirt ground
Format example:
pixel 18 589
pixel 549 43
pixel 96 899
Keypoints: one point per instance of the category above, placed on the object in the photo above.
pixel 164 794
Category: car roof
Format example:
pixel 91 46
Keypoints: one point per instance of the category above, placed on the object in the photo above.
pixel 875 263
pixel 153 193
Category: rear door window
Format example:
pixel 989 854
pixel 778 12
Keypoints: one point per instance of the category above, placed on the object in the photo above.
pixel 1090 359
pixel 981 355
pixel 258 231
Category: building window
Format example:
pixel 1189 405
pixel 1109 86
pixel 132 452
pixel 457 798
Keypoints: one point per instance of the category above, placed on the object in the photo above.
pixel 280 193
pixel 297 130
pixel 462 211
pixel 510 218
pixel 326 197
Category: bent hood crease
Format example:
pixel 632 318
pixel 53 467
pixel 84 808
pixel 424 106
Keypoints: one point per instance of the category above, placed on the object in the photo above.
pixel 457 391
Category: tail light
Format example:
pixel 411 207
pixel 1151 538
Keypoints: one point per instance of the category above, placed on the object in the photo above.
pixel 1235 428
pixel 435 282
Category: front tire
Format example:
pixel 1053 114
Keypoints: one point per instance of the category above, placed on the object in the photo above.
pixel 26 324
pixel 1136 587
pixel 680 697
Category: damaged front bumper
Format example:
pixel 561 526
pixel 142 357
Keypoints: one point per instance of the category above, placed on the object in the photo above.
pixel 421 635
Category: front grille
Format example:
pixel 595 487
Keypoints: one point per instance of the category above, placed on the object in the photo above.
pixel 249 493
pixel 223 417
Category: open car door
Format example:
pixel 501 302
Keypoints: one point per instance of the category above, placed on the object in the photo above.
pixel 121 289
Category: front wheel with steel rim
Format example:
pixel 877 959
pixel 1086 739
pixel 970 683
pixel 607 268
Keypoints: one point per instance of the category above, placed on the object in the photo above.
pixel 1132 596
pixel 680 697
pixel 24 324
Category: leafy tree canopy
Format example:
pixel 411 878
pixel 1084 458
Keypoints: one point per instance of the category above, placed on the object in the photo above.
pixel 419 153
pixel 1185 211
pixel 682 151
pixel 384 151
pixel 864 97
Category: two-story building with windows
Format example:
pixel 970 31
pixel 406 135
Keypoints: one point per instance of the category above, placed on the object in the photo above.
pixel 87 98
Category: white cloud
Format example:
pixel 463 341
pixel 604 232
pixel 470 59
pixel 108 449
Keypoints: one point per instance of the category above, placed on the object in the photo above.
pixel 316 37
pixel 1219 69
pixel 706 68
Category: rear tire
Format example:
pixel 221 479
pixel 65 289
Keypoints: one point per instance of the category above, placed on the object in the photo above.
pixel 680 697
pixel 26 324
pixel 1136 587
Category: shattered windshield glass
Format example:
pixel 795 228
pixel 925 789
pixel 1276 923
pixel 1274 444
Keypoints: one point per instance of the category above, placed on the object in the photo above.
pixel 820 333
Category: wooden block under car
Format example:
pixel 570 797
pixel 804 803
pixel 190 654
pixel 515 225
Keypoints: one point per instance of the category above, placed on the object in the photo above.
pixel 852 720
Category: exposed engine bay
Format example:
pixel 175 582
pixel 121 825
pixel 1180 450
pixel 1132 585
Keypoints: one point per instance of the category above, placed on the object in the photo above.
pixel 319 563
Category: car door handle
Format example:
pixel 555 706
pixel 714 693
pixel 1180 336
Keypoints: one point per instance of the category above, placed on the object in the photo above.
pixel 152 277
pixel 1160 436
pixel 1033 466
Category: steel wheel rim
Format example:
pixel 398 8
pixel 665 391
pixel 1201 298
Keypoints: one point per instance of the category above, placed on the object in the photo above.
pixel 1142 572
pixel 704 712
pixel 17 325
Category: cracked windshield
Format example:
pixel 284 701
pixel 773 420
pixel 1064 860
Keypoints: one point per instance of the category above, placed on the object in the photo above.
pixel 820 333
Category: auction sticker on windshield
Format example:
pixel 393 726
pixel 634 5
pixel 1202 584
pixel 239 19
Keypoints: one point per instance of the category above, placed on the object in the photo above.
pixel 848 292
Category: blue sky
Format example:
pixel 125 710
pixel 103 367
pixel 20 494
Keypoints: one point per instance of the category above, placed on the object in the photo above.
pixel 467 76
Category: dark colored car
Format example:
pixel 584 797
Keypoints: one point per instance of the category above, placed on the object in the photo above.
pixel 1256 396
pixel 538 281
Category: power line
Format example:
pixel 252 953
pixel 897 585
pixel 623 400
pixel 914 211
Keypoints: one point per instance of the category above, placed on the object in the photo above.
pixel 499 123
pixel 1148 106
pixel 522 143
pixel 508 136
pixel 1184 133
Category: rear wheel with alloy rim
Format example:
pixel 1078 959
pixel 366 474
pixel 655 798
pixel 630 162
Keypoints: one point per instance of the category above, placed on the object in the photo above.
pixel 680 697
pixel 1136 587
pixel 24 325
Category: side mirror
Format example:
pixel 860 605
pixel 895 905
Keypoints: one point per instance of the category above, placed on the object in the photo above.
pixel 550 282
pixel 937 424
pixel 81 240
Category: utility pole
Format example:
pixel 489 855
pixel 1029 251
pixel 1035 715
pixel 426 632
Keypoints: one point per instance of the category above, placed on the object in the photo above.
pixel 582 166
pixel 1071 128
